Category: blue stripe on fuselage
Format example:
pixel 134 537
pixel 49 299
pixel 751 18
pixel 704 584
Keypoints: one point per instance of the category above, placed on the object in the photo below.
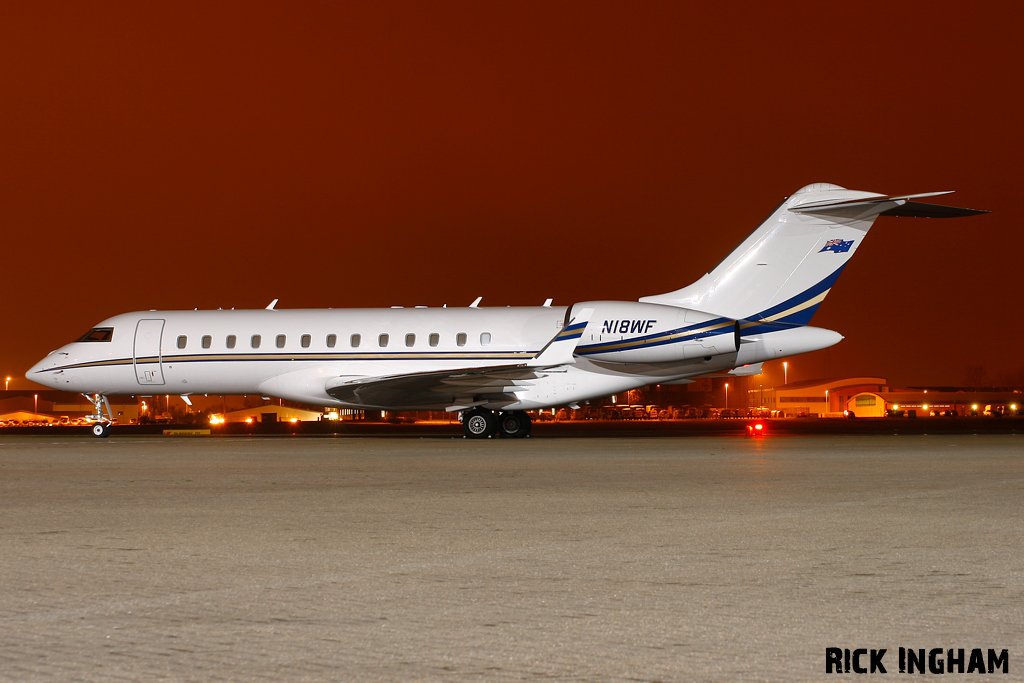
pixel 687 333
pixel 753 325
pixel 803 316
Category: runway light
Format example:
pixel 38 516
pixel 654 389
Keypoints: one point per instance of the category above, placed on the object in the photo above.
pixel 248 420
pixel 294 419
pixel 974 407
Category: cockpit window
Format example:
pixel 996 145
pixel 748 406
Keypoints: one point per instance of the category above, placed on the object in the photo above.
pixel 98 334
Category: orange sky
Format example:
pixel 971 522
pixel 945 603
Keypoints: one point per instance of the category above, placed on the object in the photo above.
pixel 377 154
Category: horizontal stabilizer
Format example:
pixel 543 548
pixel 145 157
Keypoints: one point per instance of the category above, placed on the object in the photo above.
pixel 921 210
pixel 887 206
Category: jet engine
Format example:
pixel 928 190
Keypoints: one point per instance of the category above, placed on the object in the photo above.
pixel 628 332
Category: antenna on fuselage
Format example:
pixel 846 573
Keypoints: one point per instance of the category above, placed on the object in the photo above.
pixel 272 304
pixel 476 303
pixel 547 303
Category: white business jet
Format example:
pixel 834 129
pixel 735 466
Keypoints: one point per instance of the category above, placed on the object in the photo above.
pixel 493 364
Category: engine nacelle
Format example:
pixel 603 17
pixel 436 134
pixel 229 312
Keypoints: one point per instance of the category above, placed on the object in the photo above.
pixel 628 332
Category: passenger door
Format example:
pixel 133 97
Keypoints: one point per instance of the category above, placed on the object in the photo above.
pixel 148 359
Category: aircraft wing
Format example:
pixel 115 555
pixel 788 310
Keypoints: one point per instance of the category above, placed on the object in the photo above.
pixel 443 389
pixel 460 388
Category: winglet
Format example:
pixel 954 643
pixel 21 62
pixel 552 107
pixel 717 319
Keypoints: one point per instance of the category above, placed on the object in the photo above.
pixel 559 350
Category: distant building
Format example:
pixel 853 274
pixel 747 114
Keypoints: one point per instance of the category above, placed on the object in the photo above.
pixel 51 405
pixel 272 413
pixel 872 397
pixel 940 401
pixel 823 397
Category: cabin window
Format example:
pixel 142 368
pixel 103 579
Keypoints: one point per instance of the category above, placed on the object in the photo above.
pixel 485 339
pixel 305 340
pixel 332 340
pixel 280 341
pixel 255 341
pixel 382 340
pixel 434 338
pixel 98 334
pixel 207 341
pixel 410 340
pixel 460 339
pixel 230 341
pixel 182 341
pixel 355 341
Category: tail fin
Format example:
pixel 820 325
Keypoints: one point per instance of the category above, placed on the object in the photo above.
pixel 784 269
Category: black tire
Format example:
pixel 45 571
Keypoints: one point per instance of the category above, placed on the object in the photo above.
pixel 515 424
pixel 479 424
pixel 100 430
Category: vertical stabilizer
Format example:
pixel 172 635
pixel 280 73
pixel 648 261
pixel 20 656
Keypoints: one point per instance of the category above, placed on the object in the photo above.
pixel 784 269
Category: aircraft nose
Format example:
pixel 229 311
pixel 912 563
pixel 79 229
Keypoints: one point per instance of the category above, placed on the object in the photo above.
pixel 32 374
pixel 37 373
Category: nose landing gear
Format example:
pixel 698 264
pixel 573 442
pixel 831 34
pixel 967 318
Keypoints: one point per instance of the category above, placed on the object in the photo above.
pixel 102 427
pixel 480 423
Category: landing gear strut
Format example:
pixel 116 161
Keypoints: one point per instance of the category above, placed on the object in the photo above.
pixel 102 427
pixel 480 423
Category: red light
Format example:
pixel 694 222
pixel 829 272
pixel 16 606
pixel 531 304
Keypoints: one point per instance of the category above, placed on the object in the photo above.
pixel 758 426
pixel 756 429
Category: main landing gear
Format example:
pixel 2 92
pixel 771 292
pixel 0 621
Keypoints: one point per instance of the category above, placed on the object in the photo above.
pixel 480 423
pixel 102 427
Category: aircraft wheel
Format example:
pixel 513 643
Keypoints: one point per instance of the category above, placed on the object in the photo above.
pixel 101 430
pixel 515 424
pixel 479 424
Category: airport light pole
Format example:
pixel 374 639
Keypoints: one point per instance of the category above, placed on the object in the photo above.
pixel 36 409
pixel 7 383
pixel 726 395
pixel 785 372
pixel 827 408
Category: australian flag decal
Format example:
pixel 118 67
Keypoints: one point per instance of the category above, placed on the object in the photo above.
pixel 838 246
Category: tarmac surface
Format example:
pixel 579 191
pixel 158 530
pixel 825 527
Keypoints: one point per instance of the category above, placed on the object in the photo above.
pixel 710 558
